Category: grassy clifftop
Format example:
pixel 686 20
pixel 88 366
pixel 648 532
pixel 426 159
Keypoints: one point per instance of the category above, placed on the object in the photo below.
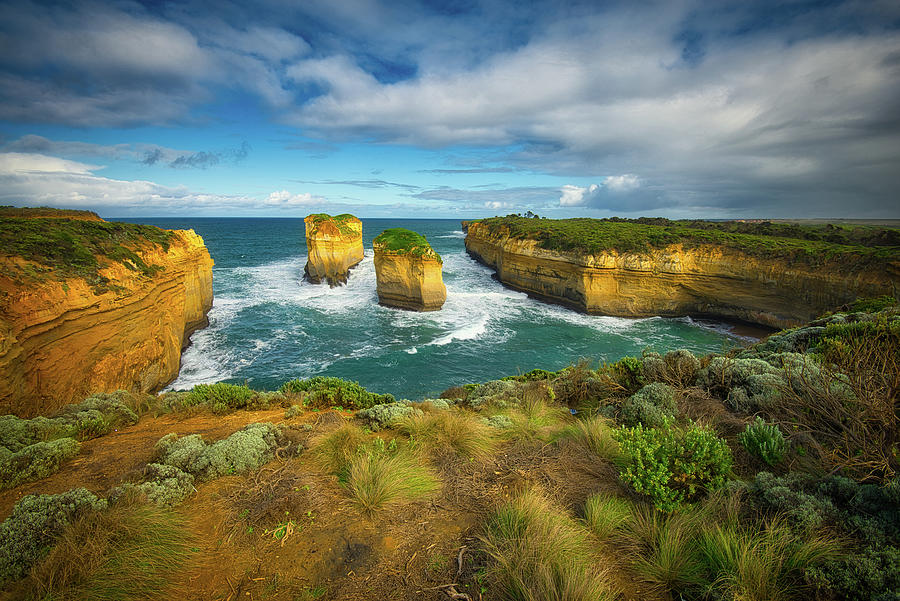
pixel 401 241
pixel 63 248
pixel 44 212
pixel 812 244
pixel 339 221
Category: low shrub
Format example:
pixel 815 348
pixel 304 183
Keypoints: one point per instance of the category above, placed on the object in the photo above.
pixel 379 417
pixel 34 524
pixel 651 406
pixel 673 464
pixel 323 392
pixel 677 368
pixel 627 372
pixel 35 461
pixel 220 397
pixel 163 485
pixel 246 449
pixel 764 441
pixel 537 551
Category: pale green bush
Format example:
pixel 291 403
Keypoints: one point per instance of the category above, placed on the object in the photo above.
pixel 35 461
pixel 33 525
pixel 386 415
pixel 650 406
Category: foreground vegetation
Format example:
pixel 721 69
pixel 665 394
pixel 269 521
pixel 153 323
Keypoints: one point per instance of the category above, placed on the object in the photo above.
pixel 812 244
pixel 769 473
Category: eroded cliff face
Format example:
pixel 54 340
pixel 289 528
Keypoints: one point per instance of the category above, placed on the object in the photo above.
pixel 60 342
pixel 413 282
pixel 675 281
pixel 333 248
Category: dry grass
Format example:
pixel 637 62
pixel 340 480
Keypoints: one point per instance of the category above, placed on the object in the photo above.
pixel 462 432
pixel 130 551
pixel 376 480
pixel 538 553
pixel 606 515
pixel 335 449
pixel 594 433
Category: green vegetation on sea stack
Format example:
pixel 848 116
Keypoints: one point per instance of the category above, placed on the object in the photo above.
pixel 401 241
pixel 340 221
pixel 812 244
pixel 77 248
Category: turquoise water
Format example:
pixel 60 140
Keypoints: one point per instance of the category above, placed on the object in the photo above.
pixel 267 325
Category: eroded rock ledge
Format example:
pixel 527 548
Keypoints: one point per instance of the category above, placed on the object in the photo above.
pixel 705 279
pixel 63 338
pixel 334 245
pixel 408 271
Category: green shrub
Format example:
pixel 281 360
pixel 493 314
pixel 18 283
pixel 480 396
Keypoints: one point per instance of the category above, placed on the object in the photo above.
pixel 323 392
pixel 34 524
pixel 220 397
pixel 246 449
pixel 36 461
pixel 627 372
pixel 677 368
pixel 764 441
pixel 650 406
pixel 673 464
pixel 386 415
pixel 163 485
pixel 533 376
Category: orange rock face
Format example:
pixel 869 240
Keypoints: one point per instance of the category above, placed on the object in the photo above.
pixel 334 245
pixel 674 281
pixel 60 342
pixel 409 282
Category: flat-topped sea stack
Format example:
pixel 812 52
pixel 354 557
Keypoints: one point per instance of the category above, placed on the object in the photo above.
pixel 408 271
pixel 773 274
pixel 334 245
pixel 92 306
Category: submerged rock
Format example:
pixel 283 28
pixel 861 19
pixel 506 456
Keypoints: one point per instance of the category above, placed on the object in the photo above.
pixel 408 271
pixel 334 245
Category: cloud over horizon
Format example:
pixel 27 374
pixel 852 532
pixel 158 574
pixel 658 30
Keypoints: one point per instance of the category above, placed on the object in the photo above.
pixel 726 109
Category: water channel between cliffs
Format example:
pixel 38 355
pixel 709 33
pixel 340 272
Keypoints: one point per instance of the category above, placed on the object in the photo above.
pixel 268 326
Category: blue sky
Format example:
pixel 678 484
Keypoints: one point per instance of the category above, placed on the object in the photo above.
pixel 452 109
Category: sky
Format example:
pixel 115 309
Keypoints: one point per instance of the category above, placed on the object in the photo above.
pixel 457 109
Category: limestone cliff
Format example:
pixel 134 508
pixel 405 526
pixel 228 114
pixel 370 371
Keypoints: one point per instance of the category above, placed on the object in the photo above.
pixel 334 245
pixel 63 337
pixel 408 272
pixel 705 280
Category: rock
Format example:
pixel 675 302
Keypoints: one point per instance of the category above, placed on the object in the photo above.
pixel 334 245
pixel 408 271
pixel 677 280
pixel 62 338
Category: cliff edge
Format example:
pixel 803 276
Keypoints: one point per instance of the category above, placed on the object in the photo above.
pixel 638 270
pixel 408 271
pixel 334 245
pixel 92 306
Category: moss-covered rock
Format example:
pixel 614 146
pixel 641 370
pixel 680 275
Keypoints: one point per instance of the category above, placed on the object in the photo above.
pixel 34 524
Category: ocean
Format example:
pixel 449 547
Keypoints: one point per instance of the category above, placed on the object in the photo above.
pixel 267 325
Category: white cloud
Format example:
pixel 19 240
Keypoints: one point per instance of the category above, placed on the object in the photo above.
pixel 36 179
pixel 620 183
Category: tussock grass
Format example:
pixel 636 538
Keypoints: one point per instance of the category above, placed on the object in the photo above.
pixel 539 553
pixel 535 418
pixel 663 549
pixel 130 551
pixel 335 449
pixel 766 564
pixel 594 433
pixel 375 480
pixel 605 515
pixel 461 431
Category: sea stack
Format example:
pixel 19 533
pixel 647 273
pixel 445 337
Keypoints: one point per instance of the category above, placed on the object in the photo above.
pixel 94 306
pixel 334 245
pixel 408 271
